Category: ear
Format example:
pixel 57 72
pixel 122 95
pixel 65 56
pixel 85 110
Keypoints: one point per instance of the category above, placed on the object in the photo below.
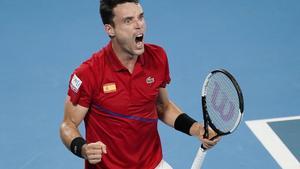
pixel 109 29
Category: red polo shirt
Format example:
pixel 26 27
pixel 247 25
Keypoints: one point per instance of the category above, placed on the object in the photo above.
pixel 122 106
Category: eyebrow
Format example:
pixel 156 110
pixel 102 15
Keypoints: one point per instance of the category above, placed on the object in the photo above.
pixel 131 17
pixel 128 17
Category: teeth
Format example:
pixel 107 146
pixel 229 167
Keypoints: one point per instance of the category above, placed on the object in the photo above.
pixel 139 35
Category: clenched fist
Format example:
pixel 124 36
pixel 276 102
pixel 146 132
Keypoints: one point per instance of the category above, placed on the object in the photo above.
pixel 93 152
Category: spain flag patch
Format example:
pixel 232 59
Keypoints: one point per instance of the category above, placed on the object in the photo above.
pixel 109 88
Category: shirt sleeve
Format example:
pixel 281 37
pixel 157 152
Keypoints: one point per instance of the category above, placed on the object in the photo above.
pixel 167 78
pixel 80 86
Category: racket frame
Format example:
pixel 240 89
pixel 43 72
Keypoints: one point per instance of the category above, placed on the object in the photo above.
pixel 206 118
pixel 197 163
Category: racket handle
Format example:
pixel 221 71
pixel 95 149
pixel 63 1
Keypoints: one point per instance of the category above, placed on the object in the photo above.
pixel 199 158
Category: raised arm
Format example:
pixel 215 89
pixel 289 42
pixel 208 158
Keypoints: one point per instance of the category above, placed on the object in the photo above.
pixel 71 137
pixel 73 116
pixel 173 116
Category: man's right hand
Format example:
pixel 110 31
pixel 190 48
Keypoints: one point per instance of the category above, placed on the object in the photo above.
pixel 93 152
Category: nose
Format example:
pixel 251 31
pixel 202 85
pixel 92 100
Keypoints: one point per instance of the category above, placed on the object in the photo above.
pixel 139 24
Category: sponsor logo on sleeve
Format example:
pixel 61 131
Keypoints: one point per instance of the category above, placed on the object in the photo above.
pixel 75 83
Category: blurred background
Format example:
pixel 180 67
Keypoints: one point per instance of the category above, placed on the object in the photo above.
pixel 42 42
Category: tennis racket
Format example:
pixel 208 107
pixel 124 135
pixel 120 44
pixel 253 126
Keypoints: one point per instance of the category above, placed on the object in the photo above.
pixel 223 106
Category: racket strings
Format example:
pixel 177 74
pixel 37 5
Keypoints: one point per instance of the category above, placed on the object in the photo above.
pixel 222 102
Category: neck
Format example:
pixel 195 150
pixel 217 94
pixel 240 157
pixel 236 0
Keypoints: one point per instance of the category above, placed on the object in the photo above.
pixel 127 60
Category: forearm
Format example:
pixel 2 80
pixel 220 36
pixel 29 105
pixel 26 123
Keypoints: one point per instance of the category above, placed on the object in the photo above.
pixel 73 116
pixel 68 131
pixel 168 113
pixel 173 116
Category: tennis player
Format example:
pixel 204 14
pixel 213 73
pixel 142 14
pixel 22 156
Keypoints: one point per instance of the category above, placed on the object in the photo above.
pixel 120 93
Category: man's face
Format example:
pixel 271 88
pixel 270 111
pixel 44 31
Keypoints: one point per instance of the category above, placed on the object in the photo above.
pixel 129 27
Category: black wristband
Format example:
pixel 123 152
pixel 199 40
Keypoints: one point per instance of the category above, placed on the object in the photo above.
pixel 76 146
pixel 183 123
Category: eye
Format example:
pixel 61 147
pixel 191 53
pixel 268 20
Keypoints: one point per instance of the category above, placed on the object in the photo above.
pixel 141 17
pixel 127 20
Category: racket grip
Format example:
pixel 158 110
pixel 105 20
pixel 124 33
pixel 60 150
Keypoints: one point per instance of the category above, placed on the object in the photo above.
pixel 203 148
pixel 201 153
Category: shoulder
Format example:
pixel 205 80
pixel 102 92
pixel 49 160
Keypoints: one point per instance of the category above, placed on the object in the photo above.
pixel 154 48
pixel 88 71
pixel 92 64
pixel 156 52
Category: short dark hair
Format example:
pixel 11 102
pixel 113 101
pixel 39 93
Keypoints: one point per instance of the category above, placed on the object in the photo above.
pixel 106 9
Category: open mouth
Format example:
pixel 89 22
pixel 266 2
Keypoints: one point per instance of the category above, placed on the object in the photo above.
pixel 139 38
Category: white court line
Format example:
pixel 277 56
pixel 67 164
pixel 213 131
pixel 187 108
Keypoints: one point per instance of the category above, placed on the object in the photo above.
pixel 273 143
pixel 33 158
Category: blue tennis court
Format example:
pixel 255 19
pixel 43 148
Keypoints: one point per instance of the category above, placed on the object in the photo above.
pixel 41 42
pixel 288 132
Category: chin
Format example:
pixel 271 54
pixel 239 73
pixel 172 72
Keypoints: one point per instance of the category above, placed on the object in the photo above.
pixel 139 51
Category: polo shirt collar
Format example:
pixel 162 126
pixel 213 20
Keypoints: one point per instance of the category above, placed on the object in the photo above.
pixel 114 61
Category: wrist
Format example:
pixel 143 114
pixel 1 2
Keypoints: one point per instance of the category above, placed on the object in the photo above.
pixel 196 129
pixel 77 145
pixel 184 123
pixel 83 151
